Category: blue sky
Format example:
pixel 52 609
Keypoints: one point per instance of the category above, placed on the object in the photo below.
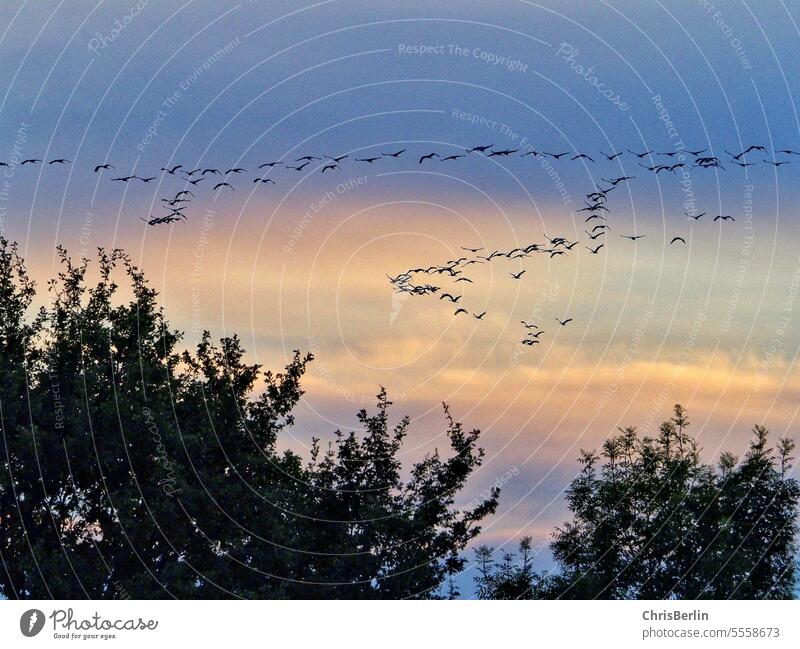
pixel 211 84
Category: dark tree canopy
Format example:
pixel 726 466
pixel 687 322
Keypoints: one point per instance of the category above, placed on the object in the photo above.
pixel 131 469
pixel 650 521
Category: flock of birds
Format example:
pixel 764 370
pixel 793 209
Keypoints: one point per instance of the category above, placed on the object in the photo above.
pixel 595 208
pixel 222 179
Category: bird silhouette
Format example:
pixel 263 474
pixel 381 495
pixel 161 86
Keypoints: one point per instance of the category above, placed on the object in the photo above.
pixel 429 156
pixel 632 237
pixel 563 323
pixel 479 316
pixel 724 218
pixel 396 154
pixel 594 251
pixel 480 149
pixel 674 239
pixel 517 275
pixel 221 185
pixel 99 167
pixel 60 161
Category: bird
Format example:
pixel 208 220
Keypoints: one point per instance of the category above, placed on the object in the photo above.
pixel 777 163
pixel 583 155
pixel 502 152
pixel 632 237
pixel 479 316
pixel 396 154
pixel 724 218
pixel 429 156
pixel 595 236
pixel 123 179
pixel 264 180
pixel 453 298
pixel 480 149
pixel 460 311
pixel 530 341
pixel 221 185
pixel 212 171
pixel 517 275
pixel 145 180
pixel 563 323
pixel 696 218
pixel 674 239
pixel 184 192
pixel 640 155
pixel 555 156
pixel 594 251
pixel 29 161
pixel 696 153
pixel 171 170
pixel 301 167
pixel 451 157
pixel 472 250
pixel 465 279
pixel 278 162
pixel 535 335
pixel 611 157
pixel 307 158
pixel 370 160
pixel 99 167
pixel 196 181
pixel 329 167
pixel 61 161
pixel 529 325
pixel 235 170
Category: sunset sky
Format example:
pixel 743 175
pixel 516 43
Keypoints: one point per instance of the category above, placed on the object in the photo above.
pixel 303 264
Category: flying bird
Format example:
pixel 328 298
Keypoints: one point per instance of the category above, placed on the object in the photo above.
pixel 563 323
pixel 99 167
pixel 517 275
pixel 674 239
pixel 60 161
pixel 632 237
pixel 429 156
pixel 396 154
pixel 221 185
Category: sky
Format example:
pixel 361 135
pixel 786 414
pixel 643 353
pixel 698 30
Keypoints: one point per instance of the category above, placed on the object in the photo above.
pixel 302 264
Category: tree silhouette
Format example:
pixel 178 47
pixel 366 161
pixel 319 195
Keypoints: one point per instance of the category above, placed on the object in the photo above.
pixel 650 521
pixel 130 468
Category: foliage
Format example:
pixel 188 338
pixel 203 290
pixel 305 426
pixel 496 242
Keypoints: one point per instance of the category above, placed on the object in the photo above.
pixel 650 521
pixel 132 469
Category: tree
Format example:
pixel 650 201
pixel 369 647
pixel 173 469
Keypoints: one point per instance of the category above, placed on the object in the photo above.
pixel 512 578
pixel 131 468
pixel 650 521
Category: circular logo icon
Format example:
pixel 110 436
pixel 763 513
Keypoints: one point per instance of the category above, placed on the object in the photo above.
pixel 31 622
